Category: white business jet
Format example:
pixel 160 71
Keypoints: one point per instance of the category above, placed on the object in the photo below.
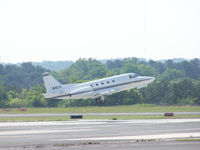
pixel 94 89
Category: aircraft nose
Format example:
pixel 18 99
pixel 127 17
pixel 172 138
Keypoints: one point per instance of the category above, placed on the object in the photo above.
pixel 145 80
pixel 150 79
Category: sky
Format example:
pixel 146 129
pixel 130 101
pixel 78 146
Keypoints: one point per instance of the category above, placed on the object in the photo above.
pixel 38 30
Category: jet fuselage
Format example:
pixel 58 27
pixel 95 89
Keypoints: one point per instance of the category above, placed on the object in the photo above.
pixel 96 88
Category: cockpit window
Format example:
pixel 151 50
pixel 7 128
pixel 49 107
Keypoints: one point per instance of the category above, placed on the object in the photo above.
pixel 135 75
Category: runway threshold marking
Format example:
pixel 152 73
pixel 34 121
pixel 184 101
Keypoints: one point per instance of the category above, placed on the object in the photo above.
pixel 157 136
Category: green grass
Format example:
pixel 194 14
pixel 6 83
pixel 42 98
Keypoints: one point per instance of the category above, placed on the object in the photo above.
pixel 32 119
pixel 103 109
pixel 142 117
pixel 107 109
pixel 63 118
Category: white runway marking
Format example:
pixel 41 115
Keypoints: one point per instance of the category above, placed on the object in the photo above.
pixel 50 123
pixel 158 136
pixel 22 132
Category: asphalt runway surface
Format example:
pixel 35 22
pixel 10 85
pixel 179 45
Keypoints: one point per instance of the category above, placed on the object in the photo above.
pixel 95 114
pixel 149 134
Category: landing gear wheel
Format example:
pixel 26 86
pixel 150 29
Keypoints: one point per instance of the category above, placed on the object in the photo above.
pixel 100 100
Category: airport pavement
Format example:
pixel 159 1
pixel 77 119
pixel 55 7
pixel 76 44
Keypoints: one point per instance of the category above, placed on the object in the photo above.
pixel 95 114
pixel 151 134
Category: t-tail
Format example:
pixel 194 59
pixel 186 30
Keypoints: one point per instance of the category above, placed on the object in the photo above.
pixel 51 84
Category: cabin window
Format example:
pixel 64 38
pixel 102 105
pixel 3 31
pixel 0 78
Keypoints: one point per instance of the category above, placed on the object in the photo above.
pixel 102 83
pixel 107 81
pixel 97 84
pixel 113 81
pixel 130 76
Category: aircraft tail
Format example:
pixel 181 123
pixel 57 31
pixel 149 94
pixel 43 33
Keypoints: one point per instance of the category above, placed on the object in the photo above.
pixel 51 84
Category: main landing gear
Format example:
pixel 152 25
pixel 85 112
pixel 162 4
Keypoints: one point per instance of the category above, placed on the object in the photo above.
pixel 100 100
pixel 138 93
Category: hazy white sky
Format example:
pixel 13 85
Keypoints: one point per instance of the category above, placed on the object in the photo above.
pixel 36 30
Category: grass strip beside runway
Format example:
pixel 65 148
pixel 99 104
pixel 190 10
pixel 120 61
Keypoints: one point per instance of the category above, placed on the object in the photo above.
pixel 105 109
pixel 63 118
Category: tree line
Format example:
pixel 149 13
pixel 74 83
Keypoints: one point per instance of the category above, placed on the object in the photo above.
pixel 175 84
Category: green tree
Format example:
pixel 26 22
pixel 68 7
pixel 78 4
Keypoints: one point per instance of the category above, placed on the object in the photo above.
pixel 157 93
pixel 132 97
pixel 187 101
pixel 182 89
pixel 16 102
pixel 35 97
pixel 3 96
pixel 171 74
pixel 114 64
pixel 160 68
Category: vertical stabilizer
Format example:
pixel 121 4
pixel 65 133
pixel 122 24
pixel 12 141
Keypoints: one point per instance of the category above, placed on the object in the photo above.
pixel 51 84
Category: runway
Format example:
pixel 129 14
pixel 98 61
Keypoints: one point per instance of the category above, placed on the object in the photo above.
pixel 98 134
